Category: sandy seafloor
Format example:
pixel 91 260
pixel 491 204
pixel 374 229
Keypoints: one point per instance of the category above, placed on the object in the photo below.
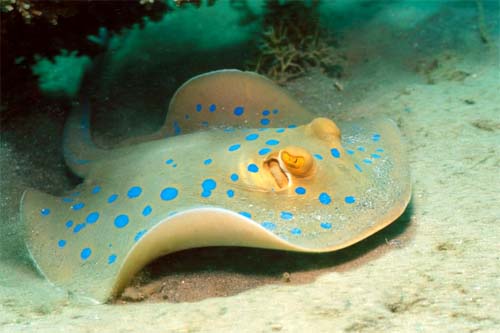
pixel 439 272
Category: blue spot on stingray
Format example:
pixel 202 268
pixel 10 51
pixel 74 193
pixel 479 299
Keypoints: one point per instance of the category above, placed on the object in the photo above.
pixel 296 231
pixel 234 177
pixel 96 190
pixel 112 198
pixel 169 193
pixel 335 152
pixel 121 221
pixel 186 117
pixel 209 184
pixel 45 211
pixel 251 137
pixel 379 150
pixel 361 148
pixel 230 193
pixel 264 151
pixel 234 147
pixel 376 137
pixel 349 151
pixel 356 165
pixel 272 142
pixel 376 156
pixel 318 156
pixel 111 259
pixel 326 225
pixel 275 111
pixel 169 161
pixel 212 107
pixel 265 113
pixel 69 224
pixel 206 193
pixel 85 254
pixel 92 217
pixel 253 168
pixel 147 210
pixel 198 107
pixel 134 192
pixel 268 225
pixel 300 190
pixel 292 126
pixel 238 111
pixel 177 128
pixel 350 200
pixel 264 121
pixel 61 243
pixel 174 165
pixel 286 215
pixel 78 227
pixel 280 130
pixel 246 214
pixel 139 235
pixel 324 198
pixel 207 161
pixel 78 206
pixel 367 161
pixel 67 200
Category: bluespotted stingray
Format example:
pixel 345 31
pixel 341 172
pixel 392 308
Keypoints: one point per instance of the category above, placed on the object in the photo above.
pixel 238 162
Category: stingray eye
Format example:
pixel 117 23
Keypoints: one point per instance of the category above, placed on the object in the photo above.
pixel 287 163
pixel 294 162
pixel 297 161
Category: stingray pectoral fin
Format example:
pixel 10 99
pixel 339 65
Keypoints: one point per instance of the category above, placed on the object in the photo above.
pixel 61 257
pixel 45 220
pixel 39 232
pixel 232 98
pixel 200 227
pixel 378 153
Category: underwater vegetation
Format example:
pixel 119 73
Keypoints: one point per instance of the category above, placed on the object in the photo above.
pixel 292 41
pixel 53 10
pixel 44 28
pixel 38 37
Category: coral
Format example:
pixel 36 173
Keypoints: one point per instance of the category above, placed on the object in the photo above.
pixel 29 9
pixel 32 27
pixel 292 41
pixel 61 76
pixel 50 10
pixel 45 27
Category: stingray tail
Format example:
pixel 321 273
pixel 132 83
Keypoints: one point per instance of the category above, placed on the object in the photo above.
pixel 79 149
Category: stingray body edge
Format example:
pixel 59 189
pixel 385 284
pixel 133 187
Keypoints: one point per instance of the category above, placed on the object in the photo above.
pixel 282 180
